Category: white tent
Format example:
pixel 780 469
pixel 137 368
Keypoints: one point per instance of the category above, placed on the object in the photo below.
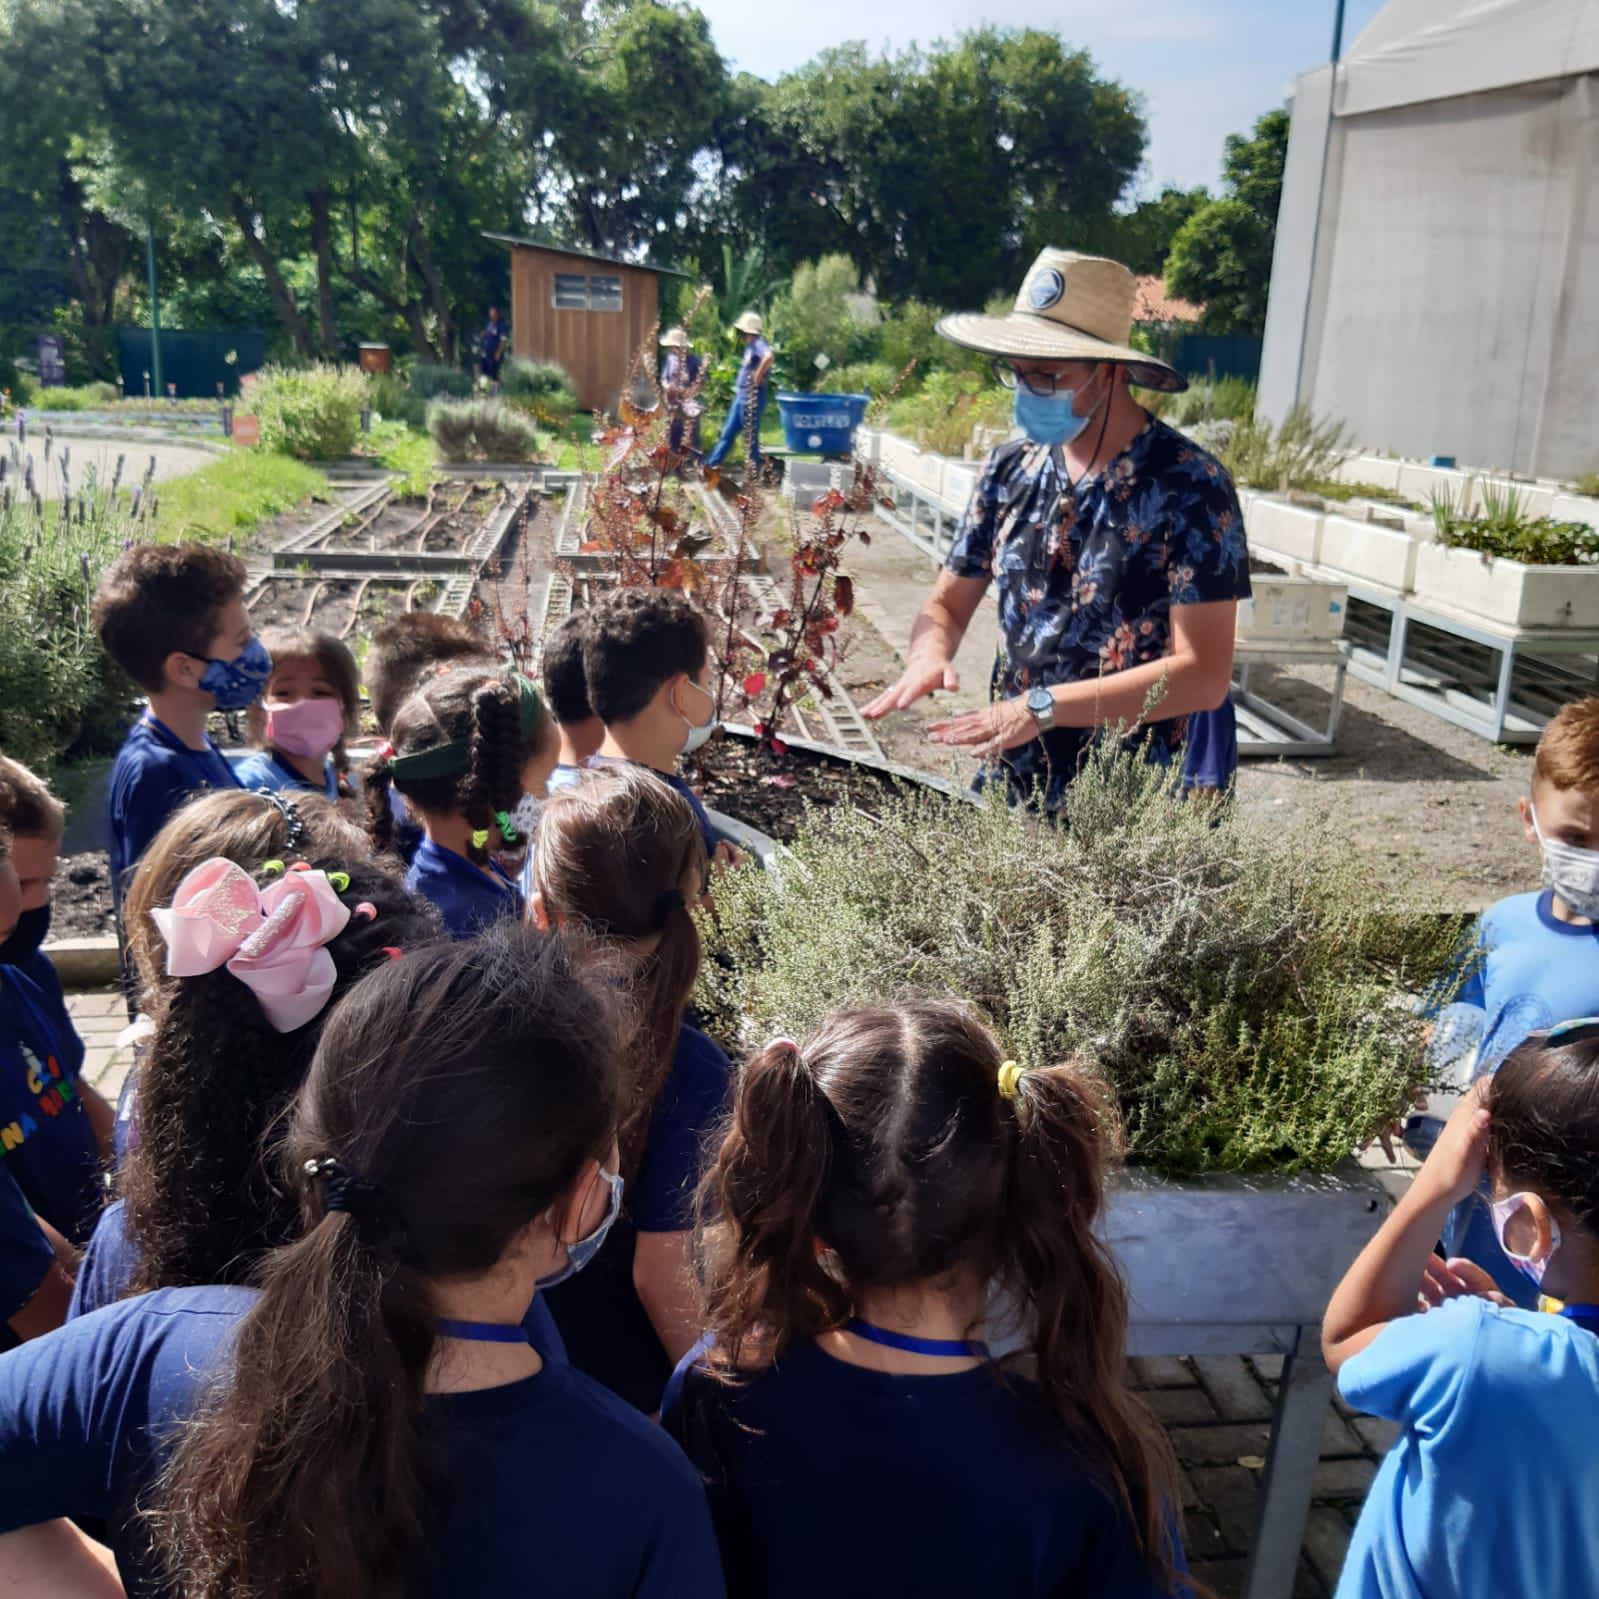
pixel 1436 281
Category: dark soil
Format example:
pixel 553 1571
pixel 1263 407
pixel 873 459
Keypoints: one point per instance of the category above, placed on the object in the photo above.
pixel 443 520
pixel 345 607
pixel 80 897
pixel 771 792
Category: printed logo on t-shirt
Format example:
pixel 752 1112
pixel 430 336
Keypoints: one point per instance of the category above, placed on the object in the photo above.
pixel 52 1092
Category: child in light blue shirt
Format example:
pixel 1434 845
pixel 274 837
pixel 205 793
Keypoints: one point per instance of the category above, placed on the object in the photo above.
pixel 1491 1487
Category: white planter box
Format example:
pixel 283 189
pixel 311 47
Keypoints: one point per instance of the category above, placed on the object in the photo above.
pixel 1507 592
pixel 868 444
pixel 1381 471
pixel 1575 508
pixel 1420 483
pixel 895 454
pixel 1291 530
pixel 1370 551
pixel 926 472
pixel 1292 610
pixel 960 482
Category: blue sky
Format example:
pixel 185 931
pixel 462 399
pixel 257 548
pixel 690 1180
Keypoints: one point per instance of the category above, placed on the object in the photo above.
pixel 1205 69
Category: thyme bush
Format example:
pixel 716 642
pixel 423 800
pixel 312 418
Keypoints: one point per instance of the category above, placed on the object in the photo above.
pixel 1244 994
pixel 312 413
pixel 481 430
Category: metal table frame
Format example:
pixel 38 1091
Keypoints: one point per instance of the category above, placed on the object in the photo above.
pixel 1267 730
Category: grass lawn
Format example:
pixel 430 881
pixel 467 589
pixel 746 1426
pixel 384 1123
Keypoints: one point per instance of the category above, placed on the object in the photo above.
pixel 403 450
pixel 233 494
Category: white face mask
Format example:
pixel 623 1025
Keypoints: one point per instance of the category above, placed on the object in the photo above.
pixel 1501 1211
pixel 698 732
pixel 1572 873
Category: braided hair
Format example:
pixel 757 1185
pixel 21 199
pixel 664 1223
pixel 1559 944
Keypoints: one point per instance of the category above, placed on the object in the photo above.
pixel 476 726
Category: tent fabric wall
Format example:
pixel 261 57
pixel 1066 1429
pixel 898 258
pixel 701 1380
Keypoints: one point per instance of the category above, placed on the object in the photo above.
pixel 1456 234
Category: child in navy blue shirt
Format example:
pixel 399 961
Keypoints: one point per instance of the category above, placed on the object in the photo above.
pixel 55 1129
pixel 620 859
pixel 310 706
pixel 1490 1487
pixel 372 1420
pixel 1536 957
pixel 875 1185
pixel 416 645
pixel 198 1197
pixel 464 751
pixel 648 666
pixel 172 617
pixel 566 692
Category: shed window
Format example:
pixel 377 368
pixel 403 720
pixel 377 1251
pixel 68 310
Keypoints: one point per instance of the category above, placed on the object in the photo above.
pixel 571 291
pixel 605 293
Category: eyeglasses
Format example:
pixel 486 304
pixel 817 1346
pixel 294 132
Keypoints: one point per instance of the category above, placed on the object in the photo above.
pixel 1045 383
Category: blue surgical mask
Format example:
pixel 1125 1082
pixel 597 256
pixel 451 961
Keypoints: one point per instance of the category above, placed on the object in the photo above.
pixel 237 683
pixel 578 1255
pixel 1047 418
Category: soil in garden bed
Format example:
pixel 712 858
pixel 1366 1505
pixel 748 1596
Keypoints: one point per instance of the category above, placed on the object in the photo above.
pixel 345 607
pixel 441 522
pixel 80 897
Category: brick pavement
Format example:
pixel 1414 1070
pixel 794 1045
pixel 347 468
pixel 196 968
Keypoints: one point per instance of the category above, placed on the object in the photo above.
pixel 1216 1410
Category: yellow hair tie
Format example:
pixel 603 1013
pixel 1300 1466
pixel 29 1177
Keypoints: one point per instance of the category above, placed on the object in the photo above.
pixel 480 838
pixel 339 881
pixel 1010 1080
pixel 271 868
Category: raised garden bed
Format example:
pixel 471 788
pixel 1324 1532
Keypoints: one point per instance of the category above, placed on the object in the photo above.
pixel 1507 592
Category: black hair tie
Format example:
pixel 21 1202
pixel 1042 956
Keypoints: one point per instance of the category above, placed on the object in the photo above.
pixel 293 821
pixel 342 1189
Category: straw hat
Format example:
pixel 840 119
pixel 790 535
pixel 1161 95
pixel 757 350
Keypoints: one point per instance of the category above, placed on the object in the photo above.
pixel 750 322
pixel 1071 308
pixel 674 339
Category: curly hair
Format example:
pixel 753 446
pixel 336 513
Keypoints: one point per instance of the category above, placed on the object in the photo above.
pixel 158 598
pixel 635 640
pixel 481 718
pixel 202 1190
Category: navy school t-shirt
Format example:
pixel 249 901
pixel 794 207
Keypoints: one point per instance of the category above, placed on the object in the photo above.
pixel 153 774
pixel 468 899
pixel 827 1478
pixel 681 784
pixel 605 1327
pixel 109 1262
pixel 49 1160
pixel 559 1488
pixel 263 772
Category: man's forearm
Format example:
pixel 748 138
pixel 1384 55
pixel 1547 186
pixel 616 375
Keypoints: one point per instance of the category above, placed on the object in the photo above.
pixel 936 632
pixel 1177 687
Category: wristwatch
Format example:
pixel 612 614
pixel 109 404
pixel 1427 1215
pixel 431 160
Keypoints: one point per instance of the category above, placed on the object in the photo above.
pixel 1041 704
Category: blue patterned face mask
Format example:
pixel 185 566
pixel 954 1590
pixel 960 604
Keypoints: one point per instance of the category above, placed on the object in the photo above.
pixel 1047 418
pixel 237 683
pixel 580 1253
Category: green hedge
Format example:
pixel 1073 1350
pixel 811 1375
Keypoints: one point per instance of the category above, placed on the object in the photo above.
pixel 312 413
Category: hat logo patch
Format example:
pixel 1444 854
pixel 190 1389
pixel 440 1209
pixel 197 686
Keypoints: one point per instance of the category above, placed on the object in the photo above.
pixel 1046 289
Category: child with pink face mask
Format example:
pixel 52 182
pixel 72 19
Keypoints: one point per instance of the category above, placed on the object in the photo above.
pixel 299 725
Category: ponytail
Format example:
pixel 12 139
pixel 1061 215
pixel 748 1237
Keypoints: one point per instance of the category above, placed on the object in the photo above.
pixel 765 1282
pixel 496 754
pixel 1050 1256
pixel 313 1472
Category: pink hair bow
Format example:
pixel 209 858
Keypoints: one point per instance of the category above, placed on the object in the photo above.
pixel 272 940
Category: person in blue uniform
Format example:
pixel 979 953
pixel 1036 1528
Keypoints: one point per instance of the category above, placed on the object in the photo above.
pixel 172 617
pixel 876 1182
pixel 619 862
pixel 372 1418
pixel 749 396
pixel 680 378
pixel 55 1129
pixel 1115 547
pixel 310 706
pixel 465 750
pixel 492 343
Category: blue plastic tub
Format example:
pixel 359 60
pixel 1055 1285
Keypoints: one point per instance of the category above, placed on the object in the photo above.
pixel 821 424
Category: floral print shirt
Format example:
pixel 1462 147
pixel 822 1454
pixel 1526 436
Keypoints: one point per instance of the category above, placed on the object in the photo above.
pixel 1086 575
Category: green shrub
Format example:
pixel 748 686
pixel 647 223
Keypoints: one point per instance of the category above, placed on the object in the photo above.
pixel 86 397
pixel 392 400
pixel 1227 399
pixel 1300 452
pixel 312 413
pixel 877 378
pixel 1588 485
pixel 59 694
pixel 544 387
pixel 1245 993
pixel 431 379
pixel 481 430
pixel 944 413
pixel 1504 527
pixel 402 450
pixel 822 312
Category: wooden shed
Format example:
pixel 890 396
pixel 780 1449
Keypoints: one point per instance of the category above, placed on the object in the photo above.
pixel 591 313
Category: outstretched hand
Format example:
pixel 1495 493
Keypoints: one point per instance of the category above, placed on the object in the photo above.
pixel 919 679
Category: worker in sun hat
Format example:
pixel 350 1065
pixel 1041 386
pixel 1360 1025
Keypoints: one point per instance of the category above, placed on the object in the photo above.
pixel 680 386
pixel 749 395
pixel 1114 544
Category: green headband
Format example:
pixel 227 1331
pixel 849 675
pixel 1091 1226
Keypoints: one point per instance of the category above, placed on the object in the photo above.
pixel 452 759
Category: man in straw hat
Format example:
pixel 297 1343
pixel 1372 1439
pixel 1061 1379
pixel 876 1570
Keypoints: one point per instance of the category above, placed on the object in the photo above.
pixel 749 395
pixel 1115 545
pixel 680 376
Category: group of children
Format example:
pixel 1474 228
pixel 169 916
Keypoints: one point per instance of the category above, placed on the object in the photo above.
pixel 434 1250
